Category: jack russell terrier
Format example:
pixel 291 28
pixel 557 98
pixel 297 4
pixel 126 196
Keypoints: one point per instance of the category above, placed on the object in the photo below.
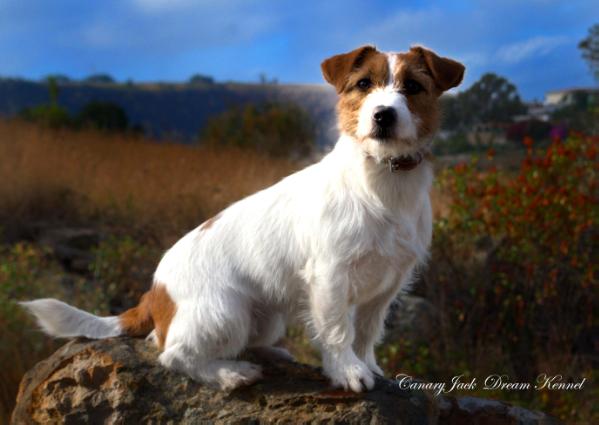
pixel 330 245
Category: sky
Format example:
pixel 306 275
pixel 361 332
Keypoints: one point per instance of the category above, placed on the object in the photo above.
pixel 533 43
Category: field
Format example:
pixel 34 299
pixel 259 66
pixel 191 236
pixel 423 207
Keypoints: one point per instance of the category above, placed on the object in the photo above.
pixel 497 313
pixel 49 175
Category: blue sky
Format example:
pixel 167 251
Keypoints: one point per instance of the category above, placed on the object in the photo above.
pixel 532 42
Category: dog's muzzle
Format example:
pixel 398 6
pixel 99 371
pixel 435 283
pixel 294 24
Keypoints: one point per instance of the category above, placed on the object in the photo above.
pixel 384 116
pixel 384 119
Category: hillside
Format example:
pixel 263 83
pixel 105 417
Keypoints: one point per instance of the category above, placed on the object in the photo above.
pixel 175 110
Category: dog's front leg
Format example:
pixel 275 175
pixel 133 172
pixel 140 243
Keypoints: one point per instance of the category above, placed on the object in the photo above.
pixel 370 321
pixel 332 320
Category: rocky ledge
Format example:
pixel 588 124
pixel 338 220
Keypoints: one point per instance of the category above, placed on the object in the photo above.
pixel 118 381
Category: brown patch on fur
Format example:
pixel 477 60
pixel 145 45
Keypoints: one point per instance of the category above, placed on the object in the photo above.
pixel 155 310
pixel 163 311
pixel 137 321
pixel 208 223
pixel 446 72
pixel 435 74
pixel 424 105
pixel 336 68
pixel 344 71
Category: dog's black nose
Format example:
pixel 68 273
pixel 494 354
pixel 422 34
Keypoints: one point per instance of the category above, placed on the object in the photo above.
pixel 384 116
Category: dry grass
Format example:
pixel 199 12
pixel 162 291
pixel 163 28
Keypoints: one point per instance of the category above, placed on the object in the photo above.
pixel 159 188
pixel 49 174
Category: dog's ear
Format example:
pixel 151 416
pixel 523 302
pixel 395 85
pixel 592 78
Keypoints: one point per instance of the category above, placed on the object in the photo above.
pixel 336 69
pixel 446 72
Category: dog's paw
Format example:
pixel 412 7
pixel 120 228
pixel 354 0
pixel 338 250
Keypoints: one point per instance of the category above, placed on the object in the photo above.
pixel 241 374
pixel 374 368
pixel 351 375
pixel 370 361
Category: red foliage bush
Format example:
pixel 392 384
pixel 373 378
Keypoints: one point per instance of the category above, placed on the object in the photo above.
pixel 514 269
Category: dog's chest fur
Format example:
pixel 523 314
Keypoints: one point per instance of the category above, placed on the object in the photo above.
pixel 392 250
pixel 382 226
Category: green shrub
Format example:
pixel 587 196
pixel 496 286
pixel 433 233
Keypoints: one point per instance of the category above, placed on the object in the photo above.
pixel 274 128
pixel 49 115
pixel 52 116
pixel 106 116
pixel 582 117
pixel 454 144
pixel 99 79
pixel 201 79
pixel 123 267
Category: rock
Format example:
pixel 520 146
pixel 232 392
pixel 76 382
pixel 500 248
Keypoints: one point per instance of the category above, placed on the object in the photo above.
pixel 413 318
pixel 71 246
pixel 118 381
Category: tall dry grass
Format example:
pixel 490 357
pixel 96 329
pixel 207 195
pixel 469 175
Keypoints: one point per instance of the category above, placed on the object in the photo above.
pixel 46 175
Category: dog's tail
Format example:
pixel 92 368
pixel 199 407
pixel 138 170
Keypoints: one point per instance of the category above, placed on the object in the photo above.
pixel 61 320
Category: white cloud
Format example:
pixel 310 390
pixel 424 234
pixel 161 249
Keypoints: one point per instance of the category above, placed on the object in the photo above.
pixel 533 47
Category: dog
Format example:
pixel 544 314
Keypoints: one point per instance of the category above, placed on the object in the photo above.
pixel 330 246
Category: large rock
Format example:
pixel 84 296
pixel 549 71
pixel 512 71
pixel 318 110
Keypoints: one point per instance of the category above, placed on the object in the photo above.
pixel 72 247
pixel 118 381
pixel 413 318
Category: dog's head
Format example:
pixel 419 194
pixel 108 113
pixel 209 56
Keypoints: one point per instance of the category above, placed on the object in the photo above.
pixel 388 102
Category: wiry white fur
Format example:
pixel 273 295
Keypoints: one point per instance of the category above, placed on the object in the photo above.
pixel 330 246
pixel 64 321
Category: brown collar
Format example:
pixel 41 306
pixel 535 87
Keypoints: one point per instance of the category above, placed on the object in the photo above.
pixel 404 162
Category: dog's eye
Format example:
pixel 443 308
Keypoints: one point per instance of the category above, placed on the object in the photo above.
pixel 411 87
pixel 364 84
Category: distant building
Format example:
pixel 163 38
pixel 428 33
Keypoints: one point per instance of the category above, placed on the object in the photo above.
pixel 487 134
pixel 536 122
pixel 556 99
pixel 536 111
pixel 576 95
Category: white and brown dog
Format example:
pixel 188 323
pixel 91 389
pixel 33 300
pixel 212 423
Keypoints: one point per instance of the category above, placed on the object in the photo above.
pixel 330 245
